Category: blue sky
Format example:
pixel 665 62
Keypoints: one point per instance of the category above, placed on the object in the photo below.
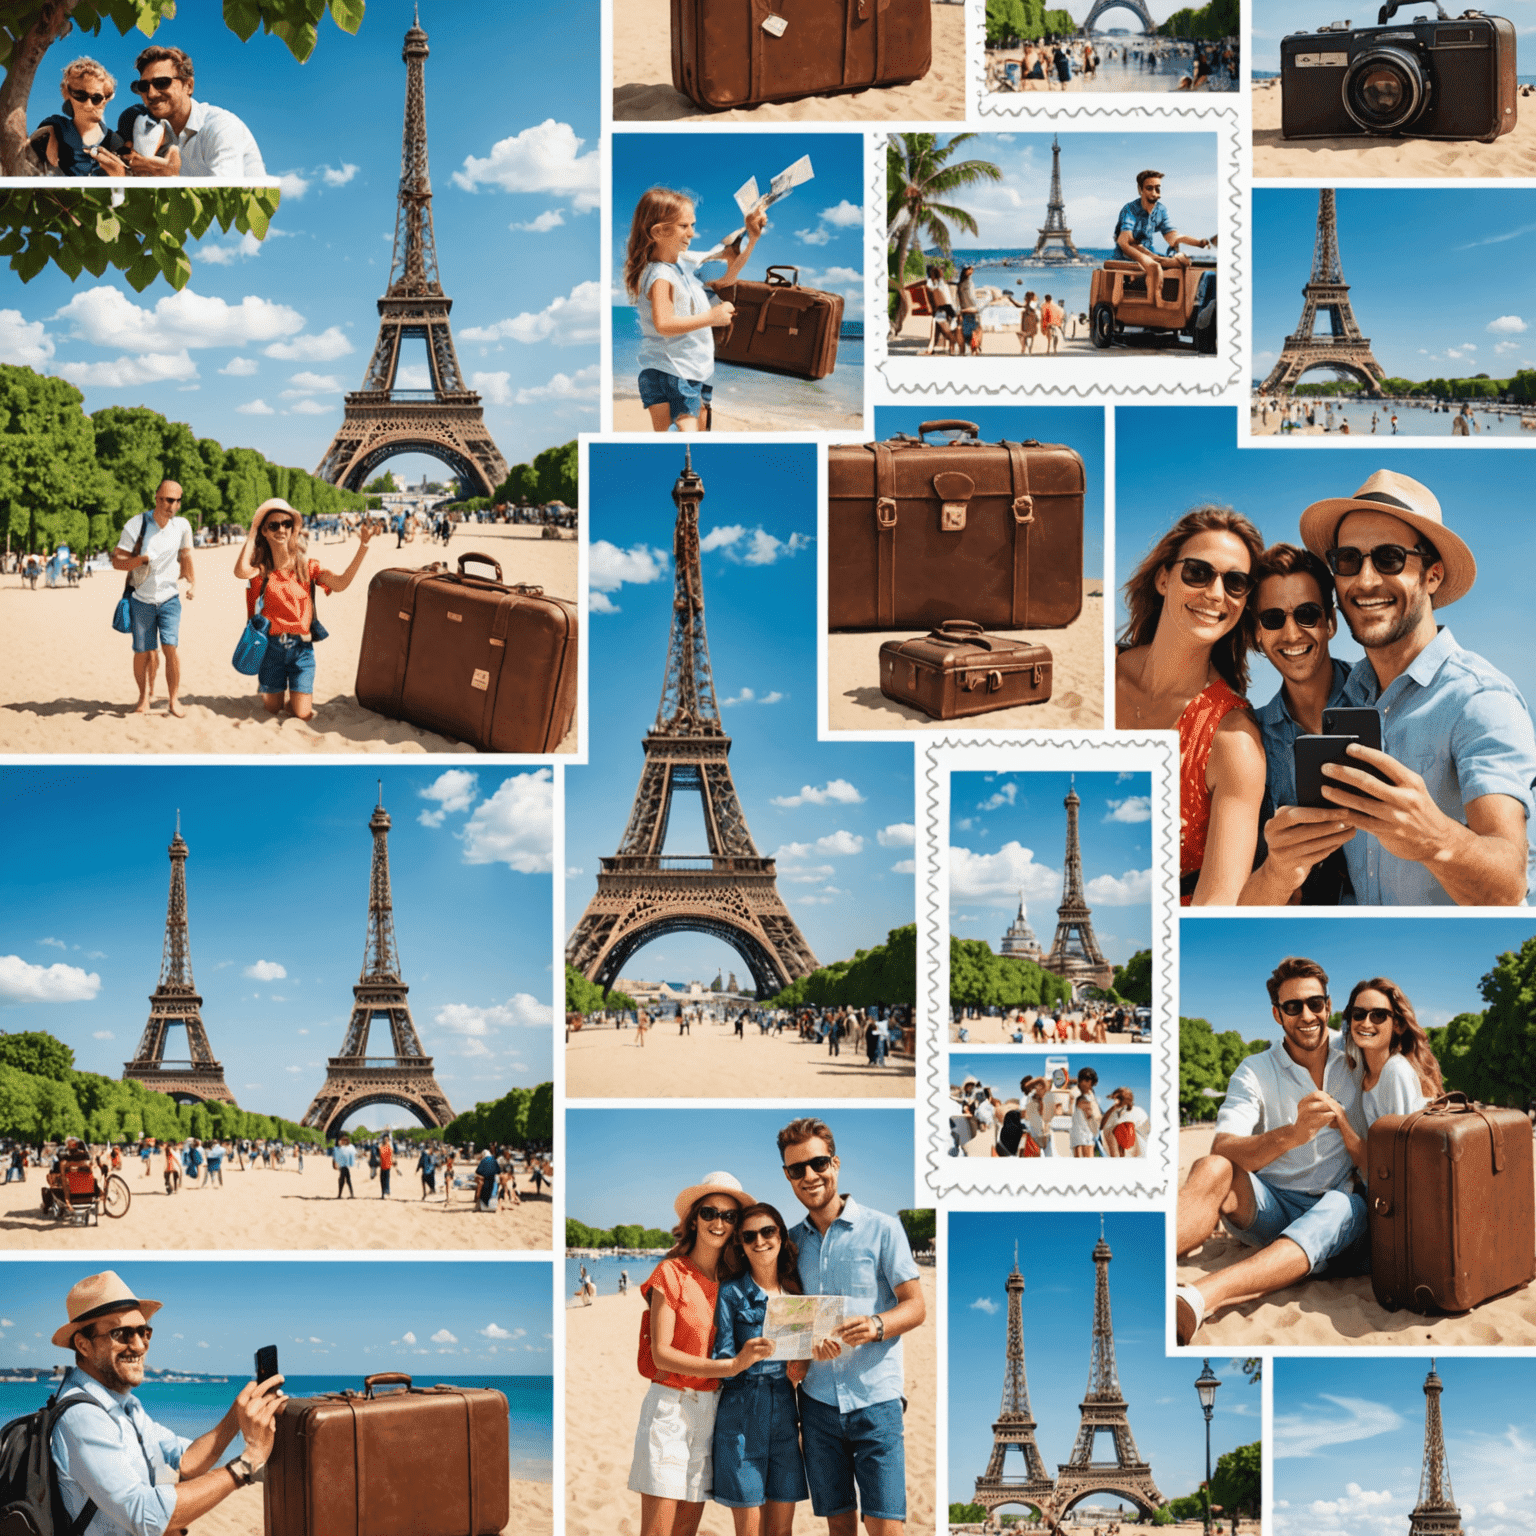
pixel 1008 832
pixel 819 227
pixel 1002 1070
pixel 608 1182
pixel 1172 458
pixel 1349 1445
pixel 278 919
pixel 1098 177
pixel 836 815
pixel 258 348
pixel 357 1317
pixel 1437 961
pixel 1274 19
pixel 1474 325
pixel 1056 1259
pixel 1079 427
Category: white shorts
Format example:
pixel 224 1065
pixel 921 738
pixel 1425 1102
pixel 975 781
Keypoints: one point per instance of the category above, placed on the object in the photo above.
pixel 673 1444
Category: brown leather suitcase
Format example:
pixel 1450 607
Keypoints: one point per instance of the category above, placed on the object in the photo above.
pixel 1451 1195
pixel 427 1461
pixel 739 53
pixel 436 650
pixel 921 532
pixel 780 327
pixel 957 670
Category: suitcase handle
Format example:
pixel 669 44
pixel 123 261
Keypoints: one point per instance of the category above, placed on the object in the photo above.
pixel 385 1377
pixel 781 282
pixel 959 627
pixel 1457 1103
pixel 484 560
pixel 968 427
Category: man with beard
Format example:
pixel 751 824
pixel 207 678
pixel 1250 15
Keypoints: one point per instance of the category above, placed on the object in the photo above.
pixel 1143 217
pixel 1450 823
pixel 140 1478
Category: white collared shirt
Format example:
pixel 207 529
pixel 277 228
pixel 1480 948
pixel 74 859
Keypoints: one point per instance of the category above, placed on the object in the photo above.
pixel 217 143
pixel 156 582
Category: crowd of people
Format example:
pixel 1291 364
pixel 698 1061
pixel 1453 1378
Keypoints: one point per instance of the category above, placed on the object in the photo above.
pixel 1024 1126
pixel 1087 1023
pixel 1065 64
pixel 1323 414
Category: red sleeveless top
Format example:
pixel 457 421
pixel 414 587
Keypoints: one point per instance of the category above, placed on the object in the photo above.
pixel 1197 730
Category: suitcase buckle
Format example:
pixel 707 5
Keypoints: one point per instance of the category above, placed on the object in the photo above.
pixel 1023 509
pixel 1382 1205
pixel 1038 672
pixel 994 681
pixel 885 511
pixel 952 516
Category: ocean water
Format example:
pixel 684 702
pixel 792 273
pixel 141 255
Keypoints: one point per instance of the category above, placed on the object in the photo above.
pixel 191 1408
pixel 779 403
pixel 1068 285
pixel 1421 421
pixel 606 1272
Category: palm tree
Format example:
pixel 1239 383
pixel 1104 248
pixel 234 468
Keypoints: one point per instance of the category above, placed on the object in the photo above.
pixel 917 176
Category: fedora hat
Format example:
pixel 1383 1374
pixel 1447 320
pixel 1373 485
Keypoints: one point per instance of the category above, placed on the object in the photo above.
pixel 96 1296
pixel 1408 501
pixel 711 1184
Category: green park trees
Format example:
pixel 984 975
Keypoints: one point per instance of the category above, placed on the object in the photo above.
pixel 1011 21
pixel 885 974
pixel 553 476
pixel 584 997
pixel 1217 20
pixel 1206 1063
pixel 1492 1055
pixel 627 1235
pixel 520 1118
pixel 980 979
pixel 1133 980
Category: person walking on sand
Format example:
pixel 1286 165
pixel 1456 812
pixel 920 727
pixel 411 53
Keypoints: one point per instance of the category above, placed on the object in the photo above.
pixel 386 1154
pixel 172 1170
pixel 153 549
pixel 426 1167
pixel 642 1023
pixel 343 1160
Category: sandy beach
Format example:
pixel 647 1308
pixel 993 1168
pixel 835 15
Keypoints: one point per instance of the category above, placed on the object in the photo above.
pixel 606 1063
pixel 985 1029
pixel 1330 1313
pixel 68 684
pixel 1327 160
pixel 279 1208
pixel 630 416
pixel 603 1397
pixel 855 702
pixel 532 1507
pixel 918 331
pixel 643 92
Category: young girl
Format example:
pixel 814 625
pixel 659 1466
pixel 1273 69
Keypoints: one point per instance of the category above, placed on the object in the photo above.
pixel 759 1473
pixel 79 142
pixel 677 353
pixel 1085 1115
pixel 273 562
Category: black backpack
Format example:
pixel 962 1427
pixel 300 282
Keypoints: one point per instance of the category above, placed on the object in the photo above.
pixel 29 1490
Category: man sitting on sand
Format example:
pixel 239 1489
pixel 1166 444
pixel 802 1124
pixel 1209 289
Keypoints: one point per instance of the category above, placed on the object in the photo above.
pixel 850 1402
pixel 156 545
pixel 204 140
pixel 138 1476
pixel 1278 1117
pixel 1143 217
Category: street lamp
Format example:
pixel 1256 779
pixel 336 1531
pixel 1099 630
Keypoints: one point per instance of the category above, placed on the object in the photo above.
pixel 1205 1384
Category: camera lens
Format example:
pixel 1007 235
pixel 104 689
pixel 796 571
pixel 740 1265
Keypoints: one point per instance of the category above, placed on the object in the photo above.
pixel 1385 90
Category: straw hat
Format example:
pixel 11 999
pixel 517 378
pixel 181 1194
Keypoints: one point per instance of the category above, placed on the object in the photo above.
pixel 96 1296
pixel 711 1184
pixel 275 504
pixel 1409 502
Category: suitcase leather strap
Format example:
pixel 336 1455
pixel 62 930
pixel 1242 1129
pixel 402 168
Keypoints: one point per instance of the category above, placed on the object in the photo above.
pixel 498 654
pixel 761 10
pixel 1023 509
pixel 1460 1104
pixel 864 10
pixel 406 612
pixel 885 526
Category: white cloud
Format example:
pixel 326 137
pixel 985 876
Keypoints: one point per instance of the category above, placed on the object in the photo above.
pixel 581 385
pixel 752 546
pixel 338 176
pixel 442 1336
pixel 816 236
pixel 834 791
pixel 1132 889
pixel 494 1331
pixel 24 983
pixel 845 215
pixel 1304 1434
pixel 103 1034
pixel 54 943
pixel 265 970
pixel 494 387
pixel 1503 348
pixel 515 826
pixel 23 343
pixel 721 537
pixel 1507 325
pixel 407 1338
pixel 566 320
pixel 551 218
pixel 1004 796
pixel 1135 808
pixel 246 247
pixel 240 367
pixel 995 879
pixel 293 185
pixel 546 158
pixel 609 567
pixel 747 696
pixel 307 383
pixel 839 277
pixel 984 1304
pixel 904 867
pixel 600 602
pixel 900 834
pixel 330 344
pixel 128 372
pixel 522 1010
pixel 840 842
pixel 255 408
pixel 454 790
pixel 104 317
pixel 308 407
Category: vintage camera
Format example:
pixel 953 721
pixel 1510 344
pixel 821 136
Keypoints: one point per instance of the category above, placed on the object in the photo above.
pixel 1451 78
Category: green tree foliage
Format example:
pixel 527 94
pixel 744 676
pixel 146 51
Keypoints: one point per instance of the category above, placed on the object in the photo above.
pixel 520 1118
pixel 1237 1482
pixel 579 1235
pixel 585 997
pixel 380 485
pixel 38 1053
pixel 1190 1506
pixel 920 1226
pixel 885 974
pixel 1208 1060
pixel 1214 21
pixel 967 1514
pixel 1133 980
pixel 980 979
pixel 919 183
pixel 553 476
pixel 49 479
pixel 1456 1047
pixel 1492 1056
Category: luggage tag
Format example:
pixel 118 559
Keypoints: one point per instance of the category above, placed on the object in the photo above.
pixel 777 26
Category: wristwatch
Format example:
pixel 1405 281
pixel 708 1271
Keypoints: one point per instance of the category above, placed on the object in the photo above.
pixel 880 1324
pixel 244 1473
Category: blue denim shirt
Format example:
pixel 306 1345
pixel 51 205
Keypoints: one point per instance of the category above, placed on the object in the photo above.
pixel 740 1308
pixel 1464 728
pixel 1280 729
pixel 864 1256
pixel 1143 225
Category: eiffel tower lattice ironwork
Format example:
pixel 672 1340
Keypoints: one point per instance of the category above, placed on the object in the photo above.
pixel 1435 1514
pixel 1137 8
pixel 175 1001
pixel 1055 242
pixel 354 1079
pixel 1104 1411
pixel 1343 349
pixel 1014 1428
pixel 1075 952
pixel 732 891
pixel 445 421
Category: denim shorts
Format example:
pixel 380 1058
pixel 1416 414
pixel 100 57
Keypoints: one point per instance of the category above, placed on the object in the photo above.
pixel 969 321
pixel 154 624
pixel 288 665
pixel 862 1448
pixel 687 397
pixel 1320 1225
pixel 757 1442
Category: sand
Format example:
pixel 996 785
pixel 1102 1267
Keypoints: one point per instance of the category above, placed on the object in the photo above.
pixel 68 686
pixel 814 416
pixel 642 79
pixel 1334 1312
pixel 279 1208
pixel 603 1397
pixel 916 333
pixel 606 1063
pixel 1326 160
pixel 855 702
pixel 532 1507
pixel 985 1029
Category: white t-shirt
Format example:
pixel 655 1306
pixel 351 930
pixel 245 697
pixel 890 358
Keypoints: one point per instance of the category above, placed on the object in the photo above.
pixel 216 143
pixel 691 355
pixel 156 582
pixel 1397 1092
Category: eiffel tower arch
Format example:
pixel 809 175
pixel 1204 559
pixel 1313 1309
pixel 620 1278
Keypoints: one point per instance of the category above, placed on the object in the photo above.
pixel 1137 8
pixel 1075 953
pixel 731 892
pixel 446 421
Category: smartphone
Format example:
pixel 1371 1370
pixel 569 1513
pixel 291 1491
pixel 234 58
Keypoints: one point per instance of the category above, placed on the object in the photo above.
pixel 266 1362
pixel 1311 753
pixel 1363 722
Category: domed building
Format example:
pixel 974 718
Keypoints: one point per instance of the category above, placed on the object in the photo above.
pixel 1020 940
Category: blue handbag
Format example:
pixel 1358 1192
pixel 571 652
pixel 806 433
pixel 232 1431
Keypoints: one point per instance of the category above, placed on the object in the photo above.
pixel 122 617
pixel 317 630
pixel 253 643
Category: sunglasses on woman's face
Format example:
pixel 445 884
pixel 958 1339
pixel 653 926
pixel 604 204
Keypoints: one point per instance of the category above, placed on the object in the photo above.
pixel 270 527
pixel 1308 615
pixel 1375 1015
pixel 1201 573
pixel 1316 1003
pixel 759 1234
pixel 94 97
pixel 715 1213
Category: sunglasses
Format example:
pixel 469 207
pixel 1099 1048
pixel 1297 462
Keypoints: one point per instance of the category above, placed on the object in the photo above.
pixel 1201 573
pixel 759 1234
pixel 94 97
pixel 1388 559
pixel 715 1213
pixel 161 83
pixel 1308 615
pixel 797 1171
pixel 125 1335
pixel 1375 1015
pixel 277 527
pixel 1317 1003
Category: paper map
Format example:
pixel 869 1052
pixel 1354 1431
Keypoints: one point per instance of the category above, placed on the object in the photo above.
pixel 794 1323
pixel 748 198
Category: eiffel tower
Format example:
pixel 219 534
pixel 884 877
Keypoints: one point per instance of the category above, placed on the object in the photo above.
pixel 1435 1514
pixel 175 1001
pixel 1104 1409
pixel 445 421
pixel 1054 232
pixel 1075 952
pixel 354 1079
pixel 730 892
pixel 1344 350
pixel 1015 1425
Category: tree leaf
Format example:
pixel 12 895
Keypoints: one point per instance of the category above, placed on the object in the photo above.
pixel 347 14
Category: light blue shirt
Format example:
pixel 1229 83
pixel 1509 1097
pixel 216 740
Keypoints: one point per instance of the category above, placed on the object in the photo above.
pixel 864 1256
pixel 1279 728
pixel 121 1458
pixel 692 354
pixel 1464 728
pixel 1143 225
pixel 1398 1091
pixel 343 1157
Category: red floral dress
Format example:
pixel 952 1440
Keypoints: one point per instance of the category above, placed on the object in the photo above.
pixel 1197 730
